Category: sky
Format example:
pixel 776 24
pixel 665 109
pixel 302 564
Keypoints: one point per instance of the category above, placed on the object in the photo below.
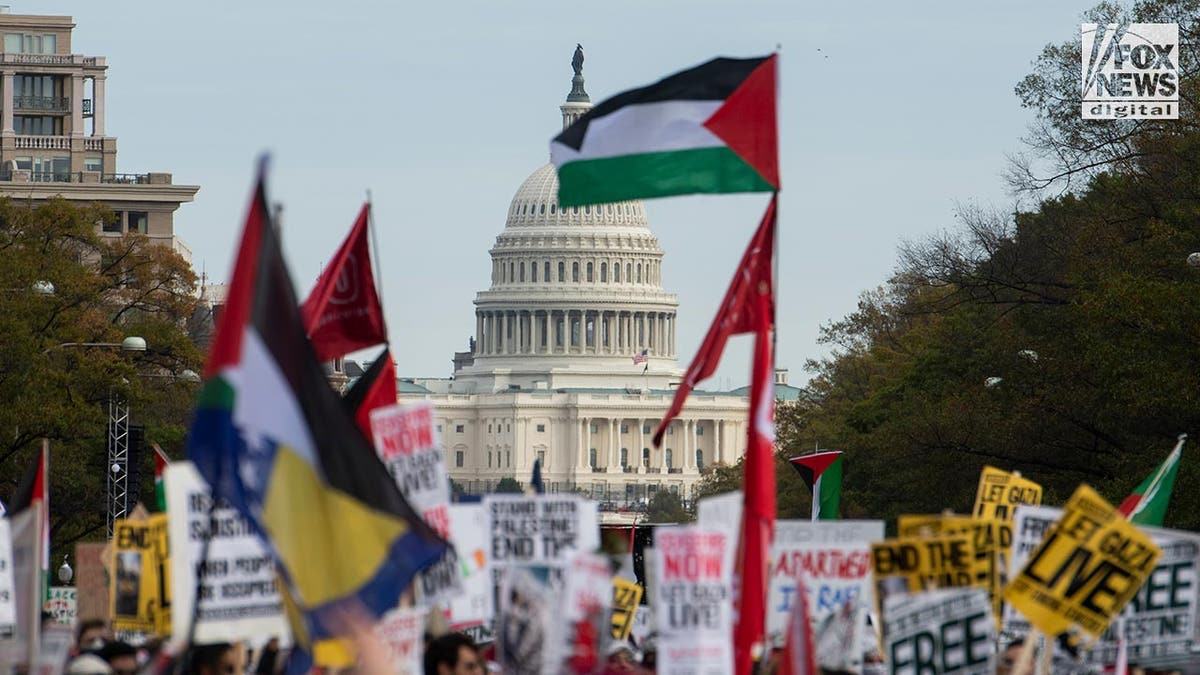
pixel 891 114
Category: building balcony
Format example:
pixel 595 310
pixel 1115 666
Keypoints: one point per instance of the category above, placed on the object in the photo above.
pixel 8 58
pixel 629 469
pixel 675 470
pixel 90 143
pixel 55 104
pixel 84 177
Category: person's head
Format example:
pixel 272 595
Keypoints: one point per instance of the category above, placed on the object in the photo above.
pixel 91 634
pixel 619 656
pixel 215 659
pixel 121 657
pixel 452 654
pixel 1008 660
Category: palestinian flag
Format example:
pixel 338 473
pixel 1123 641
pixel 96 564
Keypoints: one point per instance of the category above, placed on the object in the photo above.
pixel 709 129
pixel 160 468
pixel 271 436
pixel 822 472
pixel 374 389
pixel 34 488
pixel 1148 503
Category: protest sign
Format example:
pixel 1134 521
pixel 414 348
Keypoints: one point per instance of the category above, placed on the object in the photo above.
pixel 27 581
pixel 833 557
pixel 406 439
pixel 61 605
pixel 578 631
pixel 402 631
pixel 141 593
pixel 55 650
pixel 8 592
pixel 721 512
pixel 238 597
pixel 915 564
pixel 1000 492
pixel 91 581
pixel 1090 563
pixel 472 611
pixel 626 595
pixel 943 632
pixel 539 529
pixel 991 539
pixel 693 600
pixel 524 616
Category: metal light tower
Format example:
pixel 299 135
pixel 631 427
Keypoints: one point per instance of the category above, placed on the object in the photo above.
pixel 118 460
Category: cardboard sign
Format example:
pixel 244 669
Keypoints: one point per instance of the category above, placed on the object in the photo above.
pixel 472 611
pixel 912 564
pixel 524 617
pixel 402 631
pixel 61 604
pixel 944 632
pixel 626 595
pixel 539 529
pixel 27 580
pixel 8 591
pixel 1000 492
pixel 1090 563
pixel 577 632
pixel 832 557
pixel 238 596
pixel 991 538
pixel 141 594
pixel 693 593
pixel 91 581
pixel 407 441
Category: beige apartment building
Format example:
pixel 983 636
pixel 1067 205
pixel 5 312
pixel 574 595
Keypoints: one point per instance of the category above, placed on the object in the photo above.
pixel 52 136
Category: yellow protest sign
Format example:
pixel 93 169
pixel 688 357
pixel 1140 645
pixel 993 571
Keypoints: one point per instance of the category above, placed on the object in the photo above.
pixel 626 597
pixel 1089 564
pixel 915 564
pixel 141 590
pixel 1000 492
pixel 990 538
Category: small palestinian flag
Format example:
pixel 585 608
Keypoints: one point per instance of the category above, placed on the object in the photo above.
pixel 822 472
pixel 1148 503
pixel 160 468
pixel 710 129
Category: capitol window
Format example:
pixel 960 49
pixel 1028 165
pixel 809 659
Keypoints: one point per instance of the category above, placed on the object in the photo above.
pixel 543 209
pixel 458 459
pixel 624 457
pixel 645 428
pixel 589 272
pixel 592 458
pixel 639 273
pixel 699 429
pixel 700 459
pixel 603 273
pixel 542 457
pixel 624 428
pixel 617 273
pixel 552 208
pixel 458 428
pixel 667 458
pixel 522 272
pixel 533 271
pixel 628 272
pixel 489 459
pixel 646 457
pixel 575 272
pixel 489 428
pixel 541 428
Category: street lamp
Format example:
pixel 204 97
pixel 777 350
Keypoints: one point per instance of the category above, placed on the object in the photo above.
pixel 1193 259
pixel 65 573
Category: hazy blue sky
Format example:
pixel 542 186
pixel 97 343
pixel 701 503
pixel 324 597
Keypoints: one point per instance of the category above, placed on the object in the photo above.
pixel 442 109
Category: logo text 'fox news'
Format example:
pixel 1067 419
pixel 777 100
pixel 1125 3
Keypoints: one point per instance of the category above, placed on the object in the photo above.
pixel 1131 71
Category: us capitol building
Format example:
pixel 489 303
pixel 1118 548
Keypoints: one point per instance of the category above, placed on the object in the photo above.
pixel 576 294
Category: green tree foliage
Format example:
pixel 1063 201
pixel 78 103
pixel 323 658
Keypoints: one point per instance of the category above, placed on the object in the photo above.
pixel 666 507
pixel 508 485
pixel 1062 341
pixel 105 289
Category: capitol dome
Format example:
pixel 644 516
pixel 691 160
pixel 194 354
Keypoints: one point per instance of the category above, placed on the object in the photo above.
pixel 536 205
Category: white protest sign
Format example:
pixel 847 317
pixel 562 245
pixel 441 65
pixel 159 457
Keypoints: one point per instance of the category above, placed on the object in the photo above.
pixel 539 529
pixel 693 600
pixel 586 598
pixel 471 612
pixel 721 512
pixel 56 649
pixel 8 598
pixel 238 597
pixel 402 631
pixel 406 439
pixel 525 621
pixel 62 605
pixel 833 557
pixel 27 581
pixel 945 632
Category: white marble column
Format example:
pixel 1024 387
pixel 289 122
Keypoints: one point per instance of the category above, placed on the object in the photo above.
pixel 587 442
pixel 98 105
pixel 504 341
pixel 718 427
pixel 673 335
pixel 614 452
pixel 77 104
pixel 641 424
pixel 7 102
pixel 519 334
pixel 580 451
pixel 478 332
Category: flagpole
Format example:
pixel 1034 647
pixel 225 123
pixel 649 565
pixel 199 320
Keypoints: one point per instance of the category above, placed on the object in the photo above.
pixel 378 262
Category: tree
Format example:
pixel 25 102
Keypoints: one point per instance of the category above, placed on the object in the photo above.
pixel 666 507
pixel 104 289
pixel 508 485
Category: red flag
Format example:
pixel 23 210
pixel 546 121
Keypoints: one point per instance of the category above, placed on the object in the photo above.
pixel 799 651
pixel 343 313
pixel 758 501
pixel 735 316
pixel 375 389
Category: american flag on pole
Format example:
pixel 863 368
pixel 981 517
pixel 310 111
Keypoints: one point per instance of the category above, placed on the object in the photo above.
pixel 641 358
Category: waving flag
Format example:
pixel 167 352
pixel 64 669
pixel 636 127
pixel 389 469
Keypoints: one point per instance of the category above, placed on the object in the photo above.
pixel 708 129
pixel 34 488
pixel 161 461
pixel 374 389
pixel 272 437
pixel 1148 503
pixel 343 313
pixel 642 357
pixel 822 473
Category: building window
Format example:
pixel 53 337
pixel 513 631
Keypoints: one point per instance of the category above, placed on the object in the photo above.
pixel 671 430
pixel 617 273
pixel 628 273
pixel 35 125
pixel 137 221
pixel 458 458
pixel 542 458
pixel 592 458
pixel 439 428
pixel 541 428
pixel 508 459
pixel 508 428
pixel 489 428
pixel 489 459
pixel 589 272
pixel 645 428
pixel 562 275
pixel 542 210
pixel 699 459
pixel 522 272
pixel 18 43
pixel 512 272
pixel 113 226
pixel 667 458
pixel 699 429
pixel 603 272
pixel 93 164
pixel 624 428
pixel 575 272
pixel 639 273
pixel 646 457
pixel 458 428
pixel 624 457
pixel 546 270
pixel 593 428
pixel 533 272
